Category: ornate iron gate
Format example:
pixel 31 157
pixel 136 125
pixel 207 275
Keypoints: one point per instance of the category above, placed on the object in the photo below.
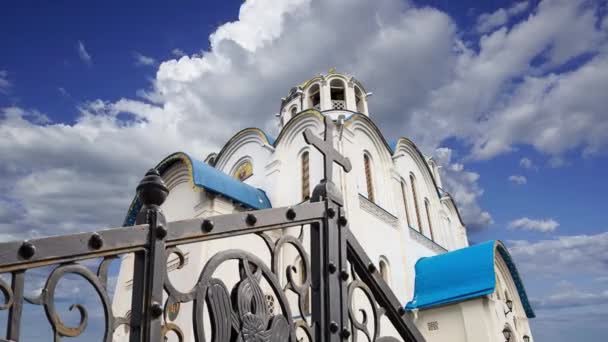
pixel 336 268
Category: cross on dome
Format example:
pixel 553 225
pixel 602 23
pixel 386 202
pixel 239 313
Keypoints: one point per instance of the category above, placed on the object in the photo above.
pixel 326 147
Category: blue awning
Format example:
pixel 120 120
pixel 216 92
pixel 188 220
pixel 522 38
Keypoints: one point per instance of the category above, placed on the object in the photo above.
pixel 462 274
pixel 211 179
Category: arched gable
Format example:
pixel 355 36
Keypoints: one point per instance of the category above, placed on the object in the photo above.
pixel 361 123
pixel 239 139
pixel 310 118
pixel 405 145
pixel 204 176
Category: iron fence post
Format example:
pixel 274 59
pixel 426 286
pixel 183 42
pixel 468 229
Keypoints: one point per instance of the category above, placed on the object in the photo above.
pixel 328 262
pixel 149 265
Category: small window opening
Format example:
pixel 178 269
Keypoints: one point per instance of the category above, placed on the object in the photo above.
pixel 338 95
pixel 314 97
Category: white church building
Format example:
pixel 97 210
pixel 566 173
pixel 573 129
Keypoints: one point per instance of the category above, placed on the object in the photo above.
pixel 395 204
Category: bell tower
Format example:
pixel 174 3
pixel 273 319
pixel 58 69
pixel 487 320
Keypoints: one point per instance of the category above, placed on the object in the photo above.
pixel 333 94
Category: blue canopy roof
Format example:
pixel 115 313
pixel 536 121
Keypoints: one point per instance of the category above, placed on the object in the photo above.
pixel 211 179
pixel 462 274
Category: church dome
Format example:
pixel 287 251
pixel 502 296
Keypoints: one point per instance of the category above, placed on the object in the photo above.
pixel 332 94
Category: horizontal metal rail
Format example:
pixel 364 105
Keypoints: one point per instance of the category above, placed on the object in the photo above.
pixel 21 255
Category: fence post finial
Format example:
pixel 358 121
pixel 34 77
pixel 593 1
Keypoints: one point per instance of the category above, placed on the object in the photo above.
pixel 152 190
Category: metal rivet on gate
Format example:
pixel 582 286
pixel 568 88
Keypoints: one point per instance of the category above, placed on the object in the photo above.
pixel 290 214
pixel 333 327
pixel 371 267
pixel 95 242
pixel 331 267
pixel 331 213
pixel 27 250
pixel 401 311
pixel 342 221
pixel 251 219
pixel 344 275
pixel 156 310
pixel 207 226
pixel 345 333
pixel 161 231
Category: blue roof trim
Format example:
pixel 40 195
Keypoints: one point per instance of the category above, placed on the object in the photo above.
pixel 462 274
pixel 206 177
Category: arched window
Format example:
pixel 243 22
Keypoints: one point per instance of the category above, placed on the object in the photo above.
pixel 359 100
pixel 305 176
pixel 418 221
pixel 404 195
pixel 338 95
pixel 427 207
pixel 384 270
pixel 243 171
pixel 314 97
pixel 293 111
pixel 368 177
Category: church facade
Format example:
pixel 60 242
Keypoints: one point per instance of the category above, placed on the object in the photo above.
pixel 393 198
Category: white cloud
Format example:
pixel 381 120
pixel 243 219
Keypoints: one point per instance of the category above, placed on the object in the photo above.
pixel 576 254
pixel 527 163
pixel 143 60
pixel 518 179
pixel 489 21
pixel 84 54
pixel 5 84
pixel 542 225
pixel 178 52
pixel 509 92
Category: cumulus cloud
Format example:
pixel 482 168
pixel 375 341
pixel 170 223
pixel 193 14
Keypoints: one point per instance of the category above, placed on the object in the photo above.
pixel 84 54
pixel 518 179
pixel 178 52
pixel 143 60
pixel 542 225
pixel 527 163
pixel 5 84
pixel 511 90
pixel 555 257
pixel 489 21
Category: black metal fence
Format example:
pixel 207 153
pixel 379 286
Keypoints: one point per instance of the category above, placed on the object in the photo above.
pixel 334 267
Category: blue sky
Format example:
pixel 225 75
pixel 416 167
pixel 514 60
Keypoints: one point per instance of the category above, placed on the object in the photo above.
pixel 508 96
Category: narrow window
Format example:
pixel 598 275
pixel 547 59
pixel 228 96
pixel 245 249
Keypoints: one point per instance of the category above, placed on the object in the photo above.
pixel 338 96
pixel 428 217
pixel 314 97
pixel 404 194
pixel 293 111
pixel 418 222
pixel 359 100
pixel 305 176
pixel 368 178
